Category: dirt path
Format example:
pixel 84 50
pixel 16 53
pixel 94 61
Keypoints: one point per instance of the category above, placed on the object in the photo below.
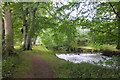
pixel 40 68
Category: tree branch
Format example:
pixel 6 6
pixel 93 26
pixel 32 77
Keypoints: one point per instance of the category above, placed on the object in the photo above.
pixel 52 14
pixel 114 10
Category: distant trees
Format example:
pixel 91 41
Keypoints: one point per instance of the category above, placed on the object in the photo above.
pixel 104 25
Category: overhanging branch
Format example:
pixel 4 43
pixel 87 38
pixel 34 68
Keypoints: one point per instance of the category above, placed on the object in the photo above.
pixel 114 10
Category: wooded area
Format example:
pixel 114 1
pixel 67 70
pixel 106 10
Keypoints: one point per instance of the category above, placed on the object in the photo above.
pixel 60 27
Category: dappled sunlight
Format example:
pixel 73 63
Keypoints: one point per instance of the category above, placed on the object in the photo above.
pixel 109 47
pixel 17 47
pixel 42 49
pixel 86 47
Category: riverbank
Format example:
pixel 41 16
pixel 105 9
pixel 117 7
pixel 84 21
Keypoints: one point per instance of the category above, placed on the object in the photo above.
pixel 62 68
pixel 106 50
pixel 66 69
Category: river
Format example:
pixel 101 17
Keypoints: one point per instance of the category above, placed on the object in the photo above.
pixel 87 57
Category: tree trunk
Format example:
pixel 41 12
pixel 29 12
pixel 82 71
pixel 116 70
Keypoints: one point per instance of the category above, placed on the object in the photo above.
pixel 8 31
pixel 118 43
pixel 3 35
pixel 1 27
pixel 28 43
pixel 34 41
pixel 0 47
pixel 118 12
pixel 24 23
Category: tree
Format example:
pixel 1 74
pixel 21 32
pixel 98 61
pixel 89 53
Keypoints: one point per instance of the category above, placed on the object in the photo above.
pixel 8 31
pixel 109 29
pixel 118 21
pixel 34 41
pixel 1 26
pixel 104 26
pixel 28 44
pixel 26 13
pixel 25 26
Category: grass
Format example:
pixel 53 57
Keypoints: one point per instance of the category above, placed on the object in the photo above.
pixel 31 52
pixel 85 70
pixel 23 68
pixel 65 69
pixel 8 64
pixel 15 66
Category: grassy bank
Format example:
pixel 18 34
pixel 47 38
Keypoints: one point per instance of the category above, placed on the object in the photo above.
pixel 104 47
pixel 8 64
pixel 15 64
pixel 23 68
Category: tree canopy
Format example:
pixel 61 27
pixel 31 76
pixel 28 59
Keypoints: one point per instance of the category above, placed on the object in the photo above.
pixel 61 25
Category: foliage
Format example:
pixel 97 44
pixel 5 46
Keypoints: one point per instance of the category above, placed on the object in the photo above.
pixel 65 30
pixel 47 39
pixel 62 40
pixel 104 26
pixel 103 23
pixel 114 61
pixel 8 64
pixel 15 64
pixel 58 29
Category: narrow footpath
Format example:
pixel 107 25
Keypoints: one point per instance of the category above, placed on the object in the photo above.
pixel 40 68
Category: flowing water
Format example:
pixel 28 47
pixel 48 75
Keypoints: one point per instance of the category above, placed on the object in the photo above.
pixel 86 57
